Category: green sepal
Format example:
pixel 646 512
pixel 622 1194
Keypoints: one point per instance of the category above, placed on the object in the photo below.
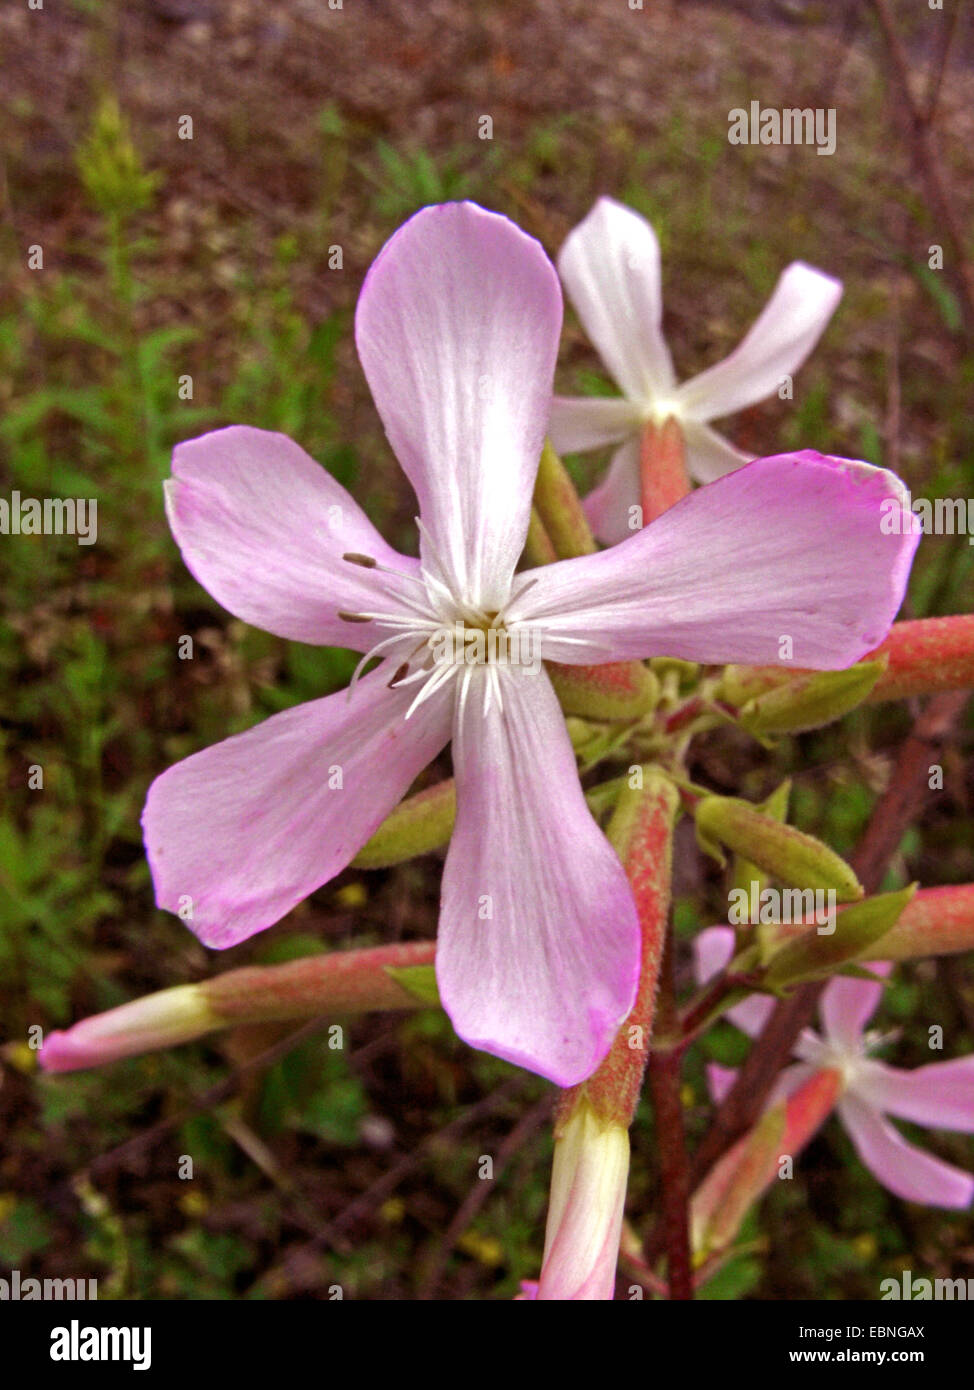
pixel 857 929
pixel 419 824
pixel 559 508
pixel 810 701
pixel 418 980
pixel 745 872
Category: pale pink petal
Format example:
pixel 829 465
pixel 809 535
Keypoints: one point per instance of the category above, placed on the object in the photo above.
pixel 263 528
pixel 847 1005
pixel 790 325
pixel 713 949
pixel 457 328
pixel 719 1080
pixel 708 454
pixel 940 1095
pixel 238 834
pixel 907 1171
pixel 590 422
pixel 752 1014
pixel 538 949
pixel 610 266
pixel 782 562
pixel 608 505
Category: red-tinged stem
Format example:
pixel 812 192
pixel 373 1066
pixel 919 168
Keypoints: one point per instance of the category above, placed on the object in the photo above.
pixel 925 656
pixel 340 982
pixel 685 715
pixel 662 468
pixel 694 1018
pixel 664 1085
pixel 641 831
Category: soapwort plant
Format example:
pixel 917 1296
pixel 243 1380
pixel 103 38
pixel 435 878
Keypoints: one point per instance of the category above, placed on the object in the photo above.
pixel 763 600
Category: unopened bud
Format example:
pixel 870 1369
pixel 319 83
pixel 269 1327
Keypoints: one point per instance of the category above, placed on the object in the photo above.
pixel 738 1179
pixel 616 690
pixel 809 701
pixel 339 982
pixel 171 1016
pixel 419 824
pixel 937 922
pixel 747 875
pixel 790 855
pixel 560 509
pixel 588 1193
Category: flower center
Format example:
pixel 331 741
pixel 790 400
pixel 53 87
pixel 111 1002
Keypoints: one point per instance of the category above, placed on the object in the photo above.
pixel 660 410
pixel 487 643
pixel 434 634
pixel 847 1060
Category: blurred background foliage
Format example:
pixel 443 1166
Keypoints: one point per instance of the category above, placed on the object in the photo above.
pixel 212 258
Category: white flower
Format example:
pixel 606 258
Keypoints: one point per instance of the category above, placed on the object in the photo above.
pixel 610 267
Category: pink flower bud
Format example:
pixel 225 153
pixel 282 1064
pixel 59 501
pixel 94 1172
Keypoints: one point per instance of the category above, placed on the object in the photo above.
pixel 588 1193
pixel 159 1020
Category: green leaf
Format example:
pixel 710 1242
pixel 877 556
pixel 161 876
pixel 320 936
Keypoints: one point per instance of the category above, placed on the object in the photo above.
pixel 418 980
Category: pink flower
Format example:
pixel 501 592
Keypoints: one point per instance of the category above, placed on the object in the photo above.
pixel 940 1095
pixel 457 329
pixel 610 266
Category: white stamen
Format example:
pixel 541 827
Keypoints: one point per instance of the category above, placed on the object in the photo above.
pixel 373 651
pixel 439 677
